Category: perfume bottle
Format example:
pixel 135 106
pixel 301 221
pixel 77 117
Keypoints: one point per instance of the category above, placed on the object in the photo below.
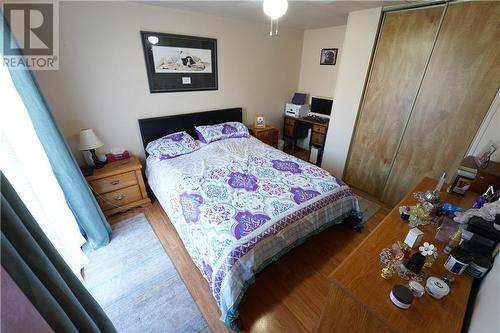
pixel 454 241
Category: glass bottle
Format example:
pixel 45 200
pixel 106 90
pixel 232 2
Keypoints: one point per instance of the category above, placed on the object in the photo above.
pixel 454 241
pixel 429 261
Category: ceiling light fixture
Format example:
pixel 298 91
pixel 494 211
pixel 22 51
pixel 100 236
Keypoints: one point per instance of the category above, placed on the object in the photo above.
pixel 275 9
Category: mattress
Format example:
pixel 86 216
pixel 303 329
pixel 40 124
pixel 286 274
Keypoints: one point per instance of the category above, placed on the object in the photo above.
pixel 239 204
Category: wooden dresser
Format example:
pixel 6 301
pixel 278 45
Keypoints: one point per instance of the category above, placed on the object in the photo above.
pixel 268 135
pixel 119 186
pixel 358 298
pixel 490 175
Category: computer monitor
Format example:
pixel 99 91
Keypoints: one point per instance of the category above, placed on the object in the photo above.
pixel 321 106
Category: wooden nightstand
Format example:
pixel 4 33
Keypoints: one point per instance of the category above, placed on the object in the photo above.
pixel 268 135
pixel 119 186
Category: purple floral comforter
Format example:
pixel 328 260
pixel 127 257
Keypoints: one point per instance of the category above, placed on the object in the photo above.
pixel 239 204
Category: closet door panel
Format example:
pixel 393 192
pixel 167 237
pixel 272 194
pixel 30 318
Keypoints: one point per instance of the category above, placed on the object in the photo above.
pixel 403 49
pixel 459 85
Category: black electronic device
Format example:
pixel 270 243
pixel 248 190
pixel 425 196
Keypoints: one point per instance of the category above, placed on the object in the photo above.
pixel 321 107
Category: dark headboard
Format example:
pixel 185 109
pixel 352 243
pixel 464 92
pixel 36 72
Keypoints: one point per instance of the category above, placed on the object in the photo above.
pixel 155 128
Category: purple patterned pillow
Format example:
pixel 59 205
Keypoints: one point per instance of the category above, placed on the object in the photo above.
pixel 172 145
pixel 211 133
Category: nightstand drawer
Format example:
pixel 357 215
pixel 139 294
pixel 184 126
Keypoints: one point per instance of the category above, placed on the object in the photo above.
pixel 271 141
pixel 267 134
pixel 119 198
pixel 113 183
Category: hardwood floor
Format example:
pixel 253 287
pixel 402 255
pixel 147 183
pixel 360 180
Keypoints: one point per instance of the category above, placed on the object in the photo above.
pixel 288 296
pixel 298 152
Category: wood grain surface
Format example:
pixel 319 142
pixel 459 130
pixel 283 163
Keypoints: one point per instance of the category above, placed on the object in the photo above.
pixel 459 85
pixel 119 186
pixel 404 45
pixel 289 295
pixel 357 282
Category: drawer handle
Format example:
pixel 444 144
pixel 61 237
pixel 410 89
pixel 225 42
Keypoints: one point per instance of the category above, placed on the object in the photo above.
pixel 119 197
pixel 115 182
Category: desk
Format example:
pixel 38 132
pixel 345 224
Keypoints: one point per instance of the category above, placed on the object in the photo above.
pixel 358 299
pixel 318 133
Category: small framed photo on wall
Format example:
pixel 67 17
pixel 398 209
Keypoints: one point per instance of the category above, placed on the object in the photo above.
pixel 328 57
pixel 260 120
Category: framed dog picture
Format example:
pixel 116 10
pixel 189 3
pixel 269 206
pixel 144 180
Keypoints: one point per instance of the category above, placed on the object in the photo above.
pixel 260 120
pixel 179 63
pixel 328 57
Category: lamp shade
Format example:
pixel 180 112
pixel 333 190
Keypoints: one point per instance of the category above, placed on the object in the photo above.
pixel 88 140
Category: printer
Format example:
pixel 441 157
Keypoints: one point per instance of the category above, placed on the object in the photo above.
pixel 295 110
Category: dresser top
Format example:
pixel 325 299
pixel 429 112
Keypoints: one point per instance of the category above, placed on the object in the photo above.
pixel 115 168
pixel 262 129
pixel 359 274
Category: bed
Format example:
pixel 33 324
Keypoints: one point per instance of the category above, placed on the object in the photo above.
pixel 239 204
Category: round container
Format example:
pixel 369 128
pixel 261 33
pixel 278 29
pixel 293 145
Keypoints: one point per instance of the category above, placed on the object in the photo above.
pixel 436 287
pixel 458 261
pixel 401 296
pixel 416 288
pixel 479 265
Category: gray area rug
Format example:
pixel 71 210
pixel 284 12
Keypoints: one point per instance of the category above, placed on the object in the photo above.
pixel 136 283
pixel 368 208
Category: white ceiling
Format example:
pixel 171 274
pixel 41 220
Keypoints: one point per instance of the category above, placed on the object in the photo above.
pixel 300 14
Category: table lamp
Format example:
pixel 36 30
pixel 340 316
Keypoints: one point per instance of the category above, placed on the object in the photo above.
pixel 89 141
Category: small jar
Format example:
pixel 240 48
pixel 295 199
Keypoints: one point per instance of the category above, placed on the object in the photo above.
pixel 479 265
pixel 401 296
pixel 416 288
pixel 436 287
pixel 458 261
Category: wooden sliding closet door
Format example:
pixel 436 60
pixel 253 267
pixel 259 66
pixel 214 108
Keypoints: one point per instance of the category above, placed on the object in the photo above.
pixel 404 45
pixel 460 83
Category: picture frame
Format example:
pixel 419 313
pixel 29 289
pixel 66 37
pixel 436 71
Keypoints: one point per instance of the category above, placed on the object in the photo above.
pixel 328 56
pixel 460 184
pixel 176 63
pixel 260 120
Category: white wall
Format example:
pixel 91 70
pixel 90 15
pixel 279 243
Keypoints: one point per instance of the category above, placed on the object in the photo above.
pixel 359 41
pixel 315 79
pixel 485 317
pixel 102 82
pixel 489 131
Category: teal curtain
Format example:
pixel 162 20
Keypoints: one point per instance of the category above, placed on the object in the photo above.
pixel 41 273
pixel 78 195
